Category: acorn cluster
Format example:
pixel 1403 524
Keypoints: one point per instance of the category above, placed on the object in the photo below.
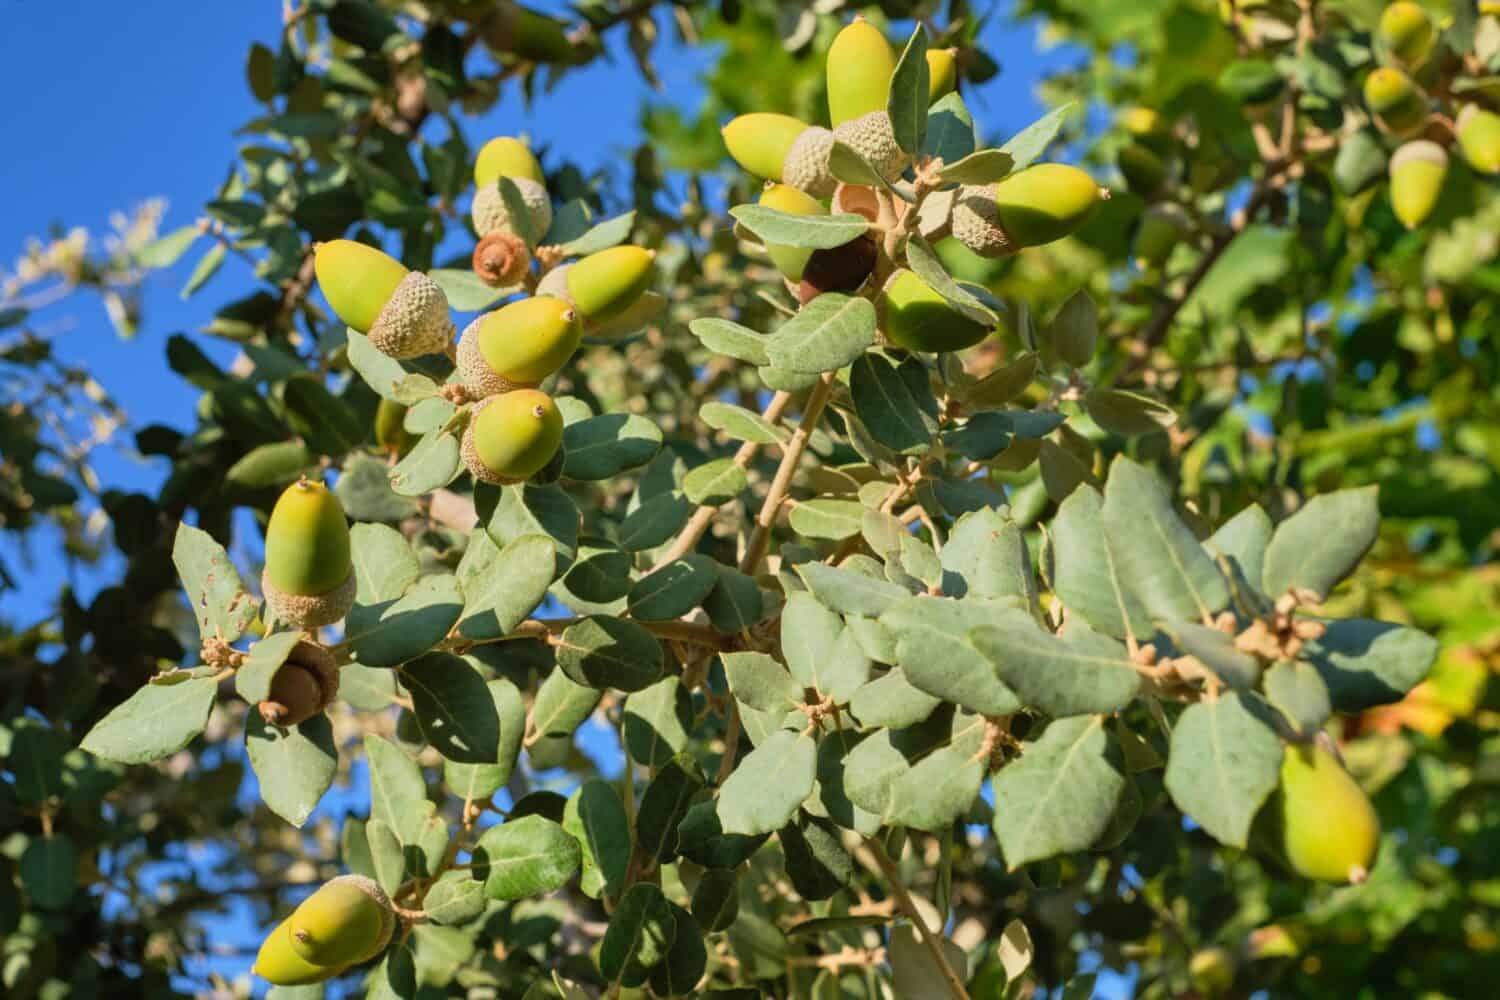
pixel 1029 207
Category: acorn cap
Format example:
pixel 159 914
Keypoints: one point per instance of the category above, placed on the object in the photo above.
pixel 506 157
pixel 415 320
pixel 501 259
pixel 511 437
pixel 860 64
pixel 806 163
pixel 348 920
pixel 976 222
pixel 761 141
pixel 309 610
pixel 870 136
pixel 489 213
pixel 305 684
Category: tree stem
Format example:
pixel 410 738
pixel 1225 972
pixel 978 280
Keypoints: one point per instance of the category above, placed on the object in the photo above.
pixel 755 548
pixel 904 901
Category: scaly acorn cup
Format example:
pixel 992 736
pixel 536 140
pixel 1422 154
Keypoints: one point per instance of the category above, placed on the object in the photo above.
pixel 1397 104
pixel 1319 821
pixel 528 34
pixel 509 158
pixel 916 317
pixel 785 198
pixel 1418 170
pixel 782 148
pixel 278 963
pixel 1406 32
pixel 1479 138
pixel 309 576
pixel 1144 170
pixel 1161 228
pixel 348 920
pixel 942 73
pixel 1038 205
pixel 859 68
pixel 304 685
pixel 871 136
pixel 512 437
pixel 404 313
pixel 517 345
pixel 605 284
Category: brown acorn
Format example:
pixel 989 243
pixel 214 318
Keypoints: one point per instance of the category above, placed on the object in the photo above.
pixel 840 269
pixel 305 684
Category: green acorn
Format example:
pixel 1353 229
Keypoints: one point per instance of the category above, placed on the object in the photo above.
pixel 528 34
pixel 859 68
pixel 305 684
pixel 1161 228
pixel 1035 206
pixel 509 158
pixel 1212 971
pixel 309 576
pixel 1406 31
pixel 782 148
pixel 1319 821
pixel 785 198
pixel 605 284
pixel 512 437
pixel 1479 138
pixel 916 317
pixel 641 312
pixel 404 313
pixel 390 427
pixel 1397 104
pixel 1147 127
pixel 1417 170
pixel 348 920
pixel 1144 171
pixel 942 73
pixel 517 345
pixel 278 963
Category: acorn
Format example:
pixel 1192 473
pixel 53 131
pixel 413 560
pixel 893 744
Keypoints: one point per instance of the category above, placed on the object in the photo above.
pixel 1319 820
pixel 1397 104
pixel 842 268
pixel 1406 31
pixel 782 148
pixel 1144 170
pixel 509 158
pixel 1212 971
pixel 870 135
pixel 1417 172
pixel 1035 206
pixel 305 684
pixel 785 198
pixel 309 576
pixel 859 68
pixel 278 963
pixel 916 317
pixel 641 312
pixel 942 73
pixel 1147 127
pixel 605 284
pixel 348 920
pixel 1479 138
pixel 517 345
pixel 390 427
pixel 526 33
pixel 501 259
pixel 404 313
pixel 1161 228
pixel 512 437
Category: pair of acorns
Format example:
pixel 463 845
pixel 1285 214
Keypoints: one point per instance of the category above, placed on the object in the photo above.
pixel 345 922
pixel 1029 208
pixel 1406 37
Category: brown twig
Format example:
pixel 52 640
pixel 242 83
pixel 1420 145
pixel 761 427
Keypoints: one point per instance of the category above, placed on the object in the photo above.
pixel 908 907
pixel 791 456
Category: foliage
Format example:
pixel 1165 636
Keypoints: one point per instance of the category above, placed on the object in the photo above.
pixel 626 730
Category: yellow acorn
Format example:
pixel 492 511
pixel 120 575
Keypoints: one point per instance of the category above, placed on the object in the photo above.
pixel 309 576
pixel 390 427
pixel 785 198
pixel 605 284
pixel 1479 138
pixel 860 64
pixel 942 73
pixel 404 312
pixel 871 136
pixel 1319 819
pixel 1395 101
pixel 1161 228
pixel 348 920
pixel 919 319
pixel 305 684
pixel 1144 170
pixel 1406 31
pixel 517 345
pixel 512 437
pixel 528 34
pixel 1417 170
pixel 1489 8
pixel 506 157
pixel 1212 971
pixel 1038 205
pixel 782 148
pixel 279 964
